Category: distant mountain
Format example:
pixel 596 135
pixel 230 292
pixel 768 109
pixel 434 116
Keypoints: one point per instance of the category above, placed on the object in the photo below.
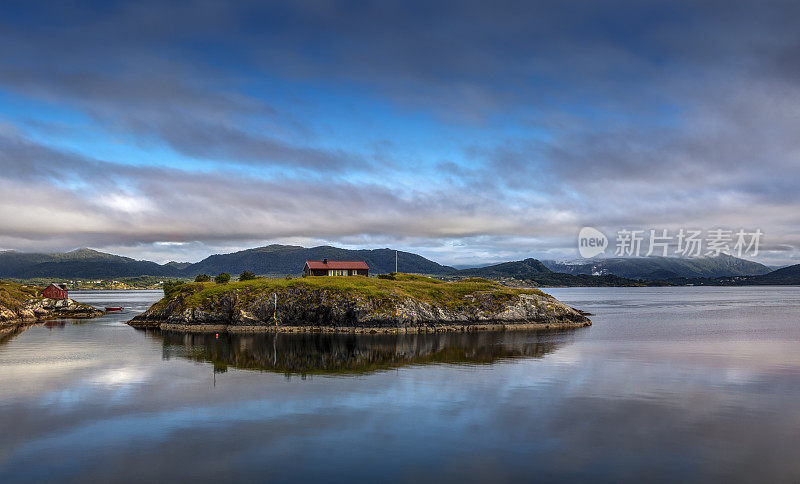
pixel 289 259
pixel 468 266
pixel 80 263
pixel 786 276
pixel 178 265
pixel 518 269
pixel 270 260
pixel 534 271
pixel 663 268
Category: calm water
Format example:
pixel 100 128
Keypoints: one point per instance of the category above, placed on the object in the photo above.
pixel 669 384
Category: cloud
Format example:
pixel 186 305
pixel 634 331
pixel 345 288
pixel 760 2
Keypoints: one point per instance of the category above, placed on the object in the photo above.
pixel 445 126
pixel 162 204
pixel 110 73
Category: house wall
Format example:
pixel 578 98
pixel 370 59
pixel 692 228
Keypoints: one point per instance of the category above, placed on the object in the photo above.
pixel 346 272
pixel 52 292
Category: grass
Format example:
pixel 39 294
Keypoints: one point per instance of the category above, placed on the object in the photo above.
pixel 13 295
pixel 402 286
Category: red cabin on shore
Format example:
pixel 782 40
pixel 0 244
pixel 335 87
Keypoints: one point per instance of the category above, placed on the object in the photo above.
pixel 55 291
pixel 336 268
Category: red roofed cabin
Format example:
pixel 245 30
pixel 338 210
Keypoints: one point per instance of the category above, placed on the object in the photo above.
pixel 335 268
pixel 55 291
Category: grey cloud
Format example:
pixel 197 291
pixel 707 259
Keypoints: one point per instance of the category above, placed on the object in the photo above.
pixel 470 58
pixel 657 113
pixel 155 98
pixel 221 209
pixel 160 204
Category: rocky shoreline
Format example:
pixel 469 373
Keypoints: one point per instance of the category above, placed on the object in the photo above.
pixel 307 308
pixel 428 328
pixel 42 309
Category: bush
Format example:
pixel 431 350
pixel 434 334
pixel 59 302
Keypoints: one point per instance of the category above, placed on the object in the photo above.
pixel 202 278
pixel 392 276
pixel 171 286
pixel 246 276
pixel 223 278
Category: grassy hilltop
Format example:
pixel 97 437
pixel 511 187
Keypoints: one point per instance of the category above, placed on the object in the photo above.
pixel 397 286
pixel 14 295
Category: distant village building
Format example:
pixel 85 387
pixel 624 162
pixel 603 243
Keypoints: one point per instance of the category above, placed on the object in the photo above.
pixel 335 268
pixel 56 291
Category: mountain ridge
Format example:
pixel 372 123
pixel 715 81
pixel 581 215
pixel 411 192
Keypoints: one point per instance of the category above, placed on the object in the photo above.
pixel 533 271
pixel 277 259
pixel 662 268
pixel 289 259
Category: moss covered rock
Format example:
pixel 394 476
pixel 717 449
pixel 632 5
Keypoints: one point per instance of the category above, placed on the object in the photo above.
pixel 405 303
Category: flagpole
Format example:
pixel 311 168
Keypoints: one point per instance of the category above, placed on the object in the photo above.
pixel 395 261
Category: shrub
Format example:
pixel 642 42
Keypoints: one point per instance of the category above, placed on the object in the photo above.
pixel 223 278
pixel 171 286
pixel 202 278
pixel 392 276
pixel 246 276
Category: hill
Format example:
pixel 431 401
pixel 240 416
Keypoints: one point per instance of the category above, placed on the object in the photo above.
pixel 535 272
pixel 289 259
pixel 269 260
pixel 276 260
pixel 662 268
pixel 789 276
pixel 80 263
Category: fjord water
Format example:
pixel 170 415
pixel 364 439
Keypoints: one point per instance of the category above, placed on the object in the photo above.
pixel 681 383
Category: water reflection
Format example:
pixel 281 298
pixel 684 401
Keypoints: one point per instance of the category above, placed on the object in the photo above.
pixel 684 384
pixel 10 332
pixel 306 354
pixel 7 333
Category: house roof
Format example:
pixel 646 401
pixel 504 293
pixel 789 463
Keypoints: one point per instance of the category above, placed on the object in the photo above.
pixel 337 264
pixel 63 287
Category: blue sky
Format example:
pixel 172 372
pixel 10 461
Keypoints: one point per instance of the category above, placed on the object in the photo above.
pixel 469 132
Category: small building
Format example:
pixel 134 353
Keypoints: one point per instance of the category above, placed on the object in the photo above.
pixel 55 291
pixel 335 268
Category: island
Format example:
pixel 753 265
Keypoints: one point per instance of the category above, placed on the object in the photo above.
pixel 396 303
pixel 23 304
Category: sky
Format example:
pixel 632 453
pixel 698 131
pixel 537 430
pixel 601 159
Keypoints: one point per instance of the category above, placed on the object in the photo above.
pixel 468 132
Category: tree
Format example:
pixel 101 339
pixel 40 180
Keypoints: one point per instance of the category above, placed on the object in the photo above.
pixel 202 278
pixel 223 278
pixel 246 276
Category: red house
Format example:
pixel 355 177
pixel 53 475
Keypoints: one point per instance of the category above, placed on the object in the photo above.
pixel 55 291
pixel 335 268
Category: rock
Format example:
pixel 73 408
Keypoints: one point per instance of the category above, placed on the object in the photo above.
pixel 37 309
